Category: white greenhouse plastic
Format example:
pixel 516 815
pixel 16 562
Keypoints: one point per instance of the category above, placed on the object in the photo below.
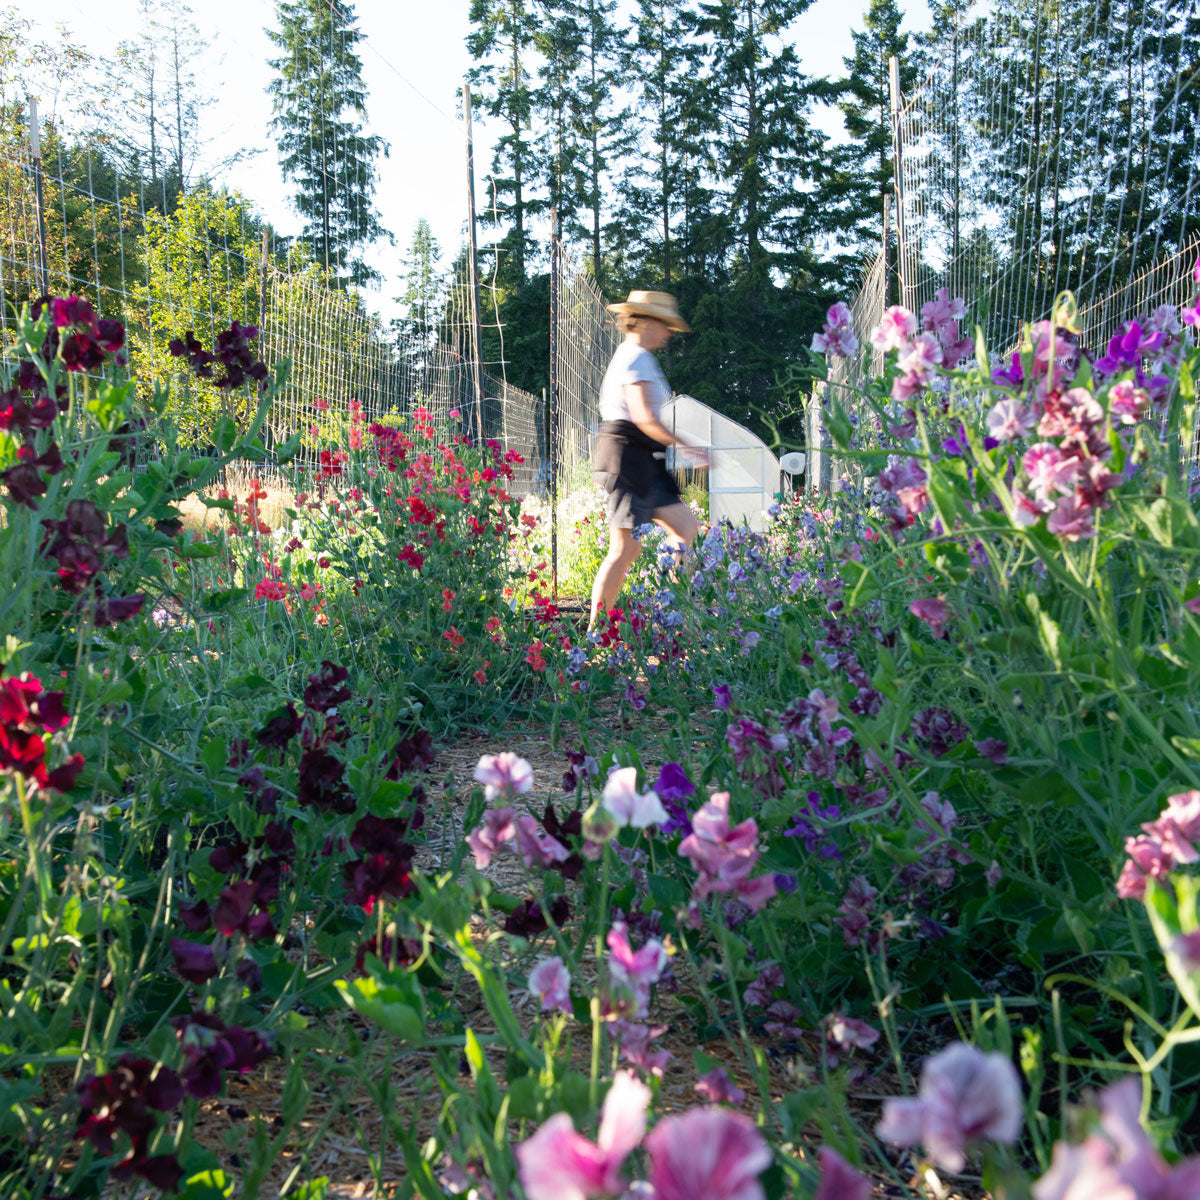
pixel 744 476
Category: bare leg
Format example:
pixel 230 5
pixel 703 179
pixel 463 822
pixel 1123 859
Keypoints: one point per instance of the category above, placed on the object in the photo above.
pixel 623 548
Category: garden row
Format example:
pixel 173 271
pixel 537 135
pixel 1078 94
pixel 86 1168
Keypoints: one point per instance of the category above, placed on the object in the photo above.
pixel 906 803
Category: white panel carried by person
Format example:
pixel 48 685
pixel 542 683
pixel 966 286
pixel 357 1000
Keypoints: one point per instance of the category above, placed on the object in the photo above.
pixel 743 475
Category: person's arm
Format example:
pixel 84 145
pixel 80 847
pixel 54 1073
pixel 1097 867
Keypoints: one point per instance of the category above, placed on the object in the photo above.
pixel 637 397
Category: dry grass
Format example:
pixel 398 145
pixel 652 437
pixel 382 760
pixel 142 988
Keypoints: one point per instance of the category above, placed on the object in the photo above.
pixel 239 484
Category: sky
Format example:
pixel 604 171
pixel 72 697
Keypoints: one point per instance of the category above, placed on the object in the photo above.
pixel 414 59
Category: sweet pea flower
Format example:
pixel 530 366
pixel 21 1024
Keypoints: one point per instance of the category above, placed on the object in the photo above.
pixel 932 610
pixel 1127 403
pixel 635 971
pixel 724 856
pixel 894 330
pixel 1119 1162
pixel 717 1088
pixel 1008 420
pixel 550 982
pixel 627 805
pixel 1049 470
pixel 964 1095
pixel 709 1153
pixel 557 1163
pixel 504 775
pixel 538 849
pixel 1072 519
pixel 837 337
pixel 499 826
pixel 839 1180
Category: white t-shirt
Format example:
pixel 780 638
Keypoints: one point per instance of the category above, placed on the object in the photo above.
pixel 631 364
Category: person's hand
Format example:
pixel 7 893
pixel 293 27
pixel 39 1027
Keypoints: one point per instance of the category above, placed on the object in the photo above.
pixel 694 456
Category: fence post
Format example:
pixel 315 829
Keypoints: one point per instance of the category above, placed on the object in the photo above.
pixel 898 165
pixel 552 441
pixel 473 267
pixel 35 147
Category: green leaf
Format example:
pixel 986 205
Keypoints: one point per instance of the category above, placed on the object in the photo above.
pixel 392 999
pixel 214 602
pixel 225 502
pixel 197 549
pixel 215 756
pixel 316 1189
pixel 207 1185
pixel 111 404
pixel 225 434
pixel 286 451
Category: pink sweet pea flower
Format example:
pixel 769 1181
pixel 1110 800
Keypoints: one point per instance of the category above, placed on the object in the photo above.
pixel 635 971
pixel 725 856
pixel 921 359
pixel 622 799
pixel 557 1163
pixel 1049 470
pixel 498 827
pixel 550 982
pixel 932 610
pixel 839 1180
pixel 1028 511
pixel 538 849
pixel 894 330
pixel 837 337
pixel 964 1095
pixel 1127 403
pixel 1072 519
pixel 707 1154
pixel 504 775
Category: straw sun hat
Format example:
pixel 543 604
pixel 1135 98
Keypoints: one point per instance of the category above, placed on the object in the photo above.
pixel 660 305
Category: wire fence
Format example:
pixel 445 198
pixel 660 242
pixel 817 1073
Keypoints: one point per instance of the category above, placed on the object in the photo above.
pixel 1067 162
pixel 193 262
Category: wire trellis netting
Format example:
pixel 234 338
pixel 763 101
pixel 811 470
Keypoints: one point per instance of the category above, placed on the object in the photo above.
pixel 1047 149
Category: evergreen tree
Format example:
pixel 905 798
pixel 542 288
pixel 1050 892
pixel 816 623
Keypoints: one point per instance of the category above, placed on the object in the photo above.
pixel 319 107
pixel 501 41
pixel 423 297
pixel 865 104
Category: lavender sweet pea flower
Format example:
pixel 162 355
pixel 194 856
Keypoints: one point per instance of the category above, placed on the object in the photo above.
pixel 504 775
pixel 717 1088
pixel 627 805
pixel 498 827
pixel 964 1095
pixel 722 696
pixel 550 982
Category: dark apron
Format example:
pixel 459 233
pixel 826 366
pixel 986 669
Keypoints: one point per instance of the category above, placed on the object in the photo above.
pixel 623 456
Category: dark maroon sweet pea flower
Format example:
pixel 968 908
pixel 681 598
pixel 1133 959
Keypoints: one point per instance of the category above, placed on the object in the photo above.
pixel 194 962
pixel 24 483
pixel 210 1048
pixel 281 728
pixel 196 917
pixel 72 313
pixel 235 911
pixel 322 783
pixel 412 753
pixel 326 689
pixel 126 1100
pixel 391 949
pixel 110 334
pixel 112 610
pixel 63 777
pixel 249 974
pixel 79 353
pixel 527 919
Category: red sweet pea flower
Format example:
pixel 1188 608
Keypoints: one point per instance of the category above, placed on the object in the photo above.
pixel 455 638
pixel 534 657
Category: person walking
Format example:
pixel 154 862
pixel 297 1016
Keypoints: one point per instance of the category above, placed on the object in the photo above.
pixel 629 457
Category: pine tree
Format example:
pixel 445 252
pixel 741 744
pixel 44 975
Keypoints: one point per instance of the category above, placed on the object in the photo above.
pixel 423 297
pixel 865 103
pixel 662 65
pixel 319 107
pixel 501 41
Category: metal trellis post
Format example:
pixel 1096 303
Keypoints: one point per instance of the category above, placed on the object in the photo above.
pixel 898 165
pixel 473 267
pixel 35 147
pixel 552 440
